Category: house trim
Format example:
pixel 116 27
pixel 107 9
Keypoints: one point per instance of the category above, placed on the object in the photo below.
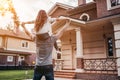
pixel 57 5
pixel 21 50
pixel 85 14
pixel 103 19
pixel 82 23
pixel 9 54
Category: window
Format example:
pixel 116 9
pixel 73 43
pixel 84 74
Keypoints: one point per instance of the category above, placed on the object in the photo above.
pixel 59 49
pixel 85 17
pixel 59 54
pixel 24 44
pixel 9 58
pixel 21 58
pixel 88 1
pixel 113 4
pixel 110 47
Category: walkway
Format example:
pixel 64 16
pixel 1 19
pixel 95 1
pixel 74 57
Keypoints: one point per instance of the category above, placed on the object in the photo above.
pixel 66 79
pixel 59 79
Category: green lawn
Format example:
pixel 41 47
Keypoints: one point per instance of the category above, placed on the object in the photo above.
pixel 15 74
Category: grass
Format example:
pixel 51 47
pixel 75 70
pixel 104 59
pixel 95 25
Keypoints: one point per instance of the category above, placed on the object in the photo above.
pixel 16 74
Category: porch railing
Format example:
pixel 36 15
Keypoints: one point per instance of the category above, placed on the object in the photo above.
pixel 58 64
pixel 101 64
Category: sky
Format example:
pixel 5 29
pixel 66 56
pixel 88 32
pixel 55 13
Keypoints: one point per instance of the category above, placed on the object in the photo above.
pixel 28 9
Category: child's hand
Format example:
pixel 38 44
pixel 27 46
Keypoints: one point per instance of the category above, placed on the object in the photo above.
pixel 68 21
pixel 23 24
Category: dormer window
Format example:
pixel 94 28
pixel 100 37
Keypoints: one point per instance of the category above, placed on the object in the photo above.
pixel 113 4
pixel 85 17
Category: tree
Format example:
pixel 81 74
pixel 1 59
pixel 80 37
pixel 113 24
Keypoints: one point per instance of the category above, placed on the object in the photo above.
pixel 7 6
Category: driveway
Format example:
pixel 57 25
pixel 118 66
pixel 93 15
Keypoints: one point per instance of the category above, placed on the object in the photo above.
pixel 59 79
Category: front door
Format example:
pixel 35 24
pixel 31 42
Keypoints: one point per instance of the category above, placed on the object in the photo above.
pixel 20 59
pixel 73 57
pixel 67 57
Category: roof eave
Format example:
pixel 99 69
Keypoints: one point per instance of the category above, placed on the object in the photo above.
pixel 79 23
pixel 64 6
pixel 82 8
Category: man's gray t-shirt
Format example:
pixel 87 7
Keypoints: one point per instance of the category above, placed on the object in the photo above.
pixel 44 50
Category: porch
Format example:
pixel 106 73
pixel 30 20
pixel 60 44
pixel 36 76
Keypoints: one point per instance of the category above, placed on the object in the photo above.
pixel 91 49
pixel 94 69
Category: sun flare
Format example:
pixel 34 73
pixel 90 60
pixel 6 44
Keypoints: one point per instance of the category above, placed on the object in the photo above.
pixel 5 14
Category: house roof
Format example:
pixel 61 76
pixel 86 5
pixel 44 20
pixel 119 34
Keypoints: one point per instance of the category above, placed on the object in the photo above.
pixel 8 33
pixel 57 5
pixel 80 23
pixel 15 52
pixel 82 8
pixel 56 27
pixel 104 19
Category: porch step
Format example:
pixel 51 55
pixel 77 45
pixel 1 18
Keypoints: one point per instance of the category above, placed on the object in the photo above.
pixel 64 74
pixel 96 76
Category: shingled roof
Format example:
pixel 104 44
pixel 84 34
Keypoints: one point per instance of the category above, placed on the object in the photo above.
pixel 81 8
pixel 10 33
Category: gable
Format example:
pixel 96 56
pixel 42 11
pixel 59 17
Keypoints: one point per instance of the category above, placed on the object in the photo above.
pixel 59 9
pixel 59 12
pixel 8 33
pixel 79 11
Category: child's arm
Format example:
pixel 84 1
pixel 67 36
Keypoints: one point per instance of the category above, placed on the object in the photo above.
pixel 27 32
pixel 63 29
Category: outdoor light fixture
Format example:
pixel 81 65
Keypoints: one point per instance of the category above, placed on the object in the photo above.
pixel 59 43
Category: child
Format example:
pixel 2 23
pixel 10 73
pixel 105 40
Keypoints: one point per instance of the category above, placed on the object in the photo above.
pixel 44 45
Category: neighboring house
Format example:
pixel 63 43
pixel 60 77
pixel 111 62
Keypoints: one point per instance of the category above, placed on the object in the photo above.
pixel 91 45
pixel 16 49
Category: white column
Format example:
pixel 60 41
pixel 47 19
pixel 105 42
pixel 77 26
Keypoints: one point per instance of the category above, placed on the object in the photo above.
pixel 116 25
pixel 79 44
pixel 79 50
